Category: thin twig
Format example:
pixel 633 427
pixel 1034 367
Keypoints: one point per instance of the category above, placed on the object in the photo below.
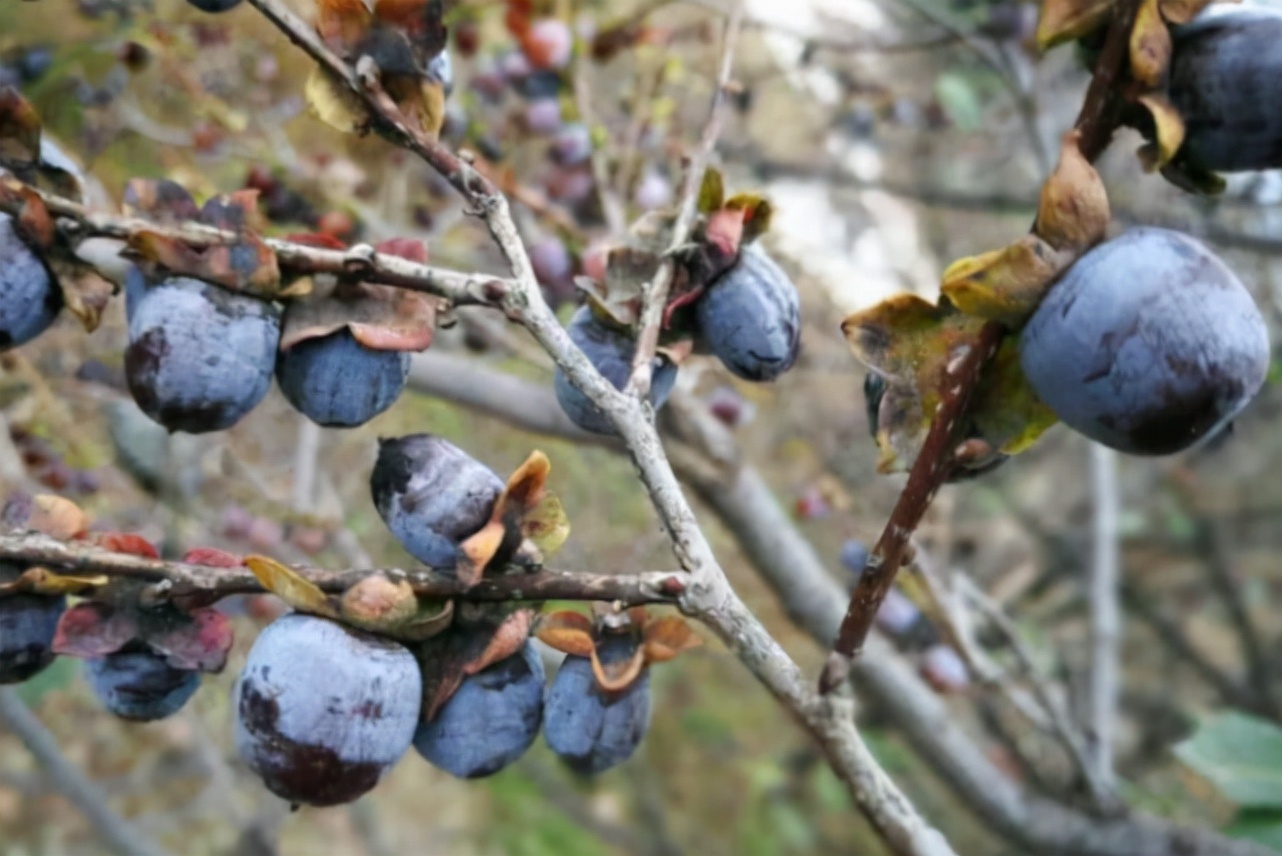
pixel 655 294
pixel 118 834
pixel 1106 614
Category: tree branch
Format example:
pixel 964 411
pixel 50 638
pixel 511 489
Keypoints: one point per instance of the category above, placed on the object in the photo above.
pixel 934 465
pixel 1106 617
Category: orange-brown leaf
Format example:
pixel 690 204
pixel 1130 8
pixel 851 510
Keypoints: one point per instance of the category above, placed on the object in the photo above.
pixel 668 637
pixel 1150 46
pixel 566 631
pixel 57 517
pixel 1073 212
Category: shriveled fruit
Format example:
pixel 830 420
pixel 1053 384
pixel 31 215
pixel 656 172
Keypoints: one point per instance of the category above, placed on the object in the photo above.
pixel 432 495
pixel 199 357
pixel 1225 81
pixel 611 352
pixel 750 317
pixel 323 711
pixel 29 298
pixel 593 729
pixel 338 382
pixel 490 720
pixel 27 626
pixel 1147 344
pixel 137 684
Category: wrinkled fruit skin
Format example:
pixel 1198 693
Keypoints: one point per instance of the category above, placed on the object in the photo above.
pixel 1226 79
pixel 140 685
pixel 27 625
pixel 29 298
pixel 1148 344
pixel 611 352
pixel 337 382
pixel 750 317
pixel 490 721
pixel 590 729
pixel 323 711
pixel 432 495
pixel 199 357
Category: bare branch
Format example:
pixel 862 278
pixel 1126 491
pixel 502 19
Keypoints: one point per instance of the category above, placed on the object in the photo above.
pixel 1106 613
pixel 175 579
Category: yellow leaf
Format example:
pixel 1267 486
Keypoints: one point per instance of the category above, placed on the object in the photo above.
pixel 1005 285
pixel 1006 411
pixel 712 191
pixel 291 587
pixel 1168 132
pixel 44 581
pixel 334 104
pixel 1150 46
pixel 546 524
pixel 1064 20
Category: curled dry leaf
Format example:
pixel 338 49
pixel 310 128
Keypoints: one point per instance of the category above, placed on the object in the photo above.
pixel 1064 20
pixel 380 317
pixel 619 674
pixel 56 517
pixel 40 580
pixel 1150 46
pixel 1073 211
pixel 666 638
pixel 290 586
pixel 159 200
pixel 466 648
pixel 1004 285
pixel 567 631
pixel 196 641
pixel 19 131
pixel 93 629
pixel 342 23
pixel 1167 132
pixel 85 292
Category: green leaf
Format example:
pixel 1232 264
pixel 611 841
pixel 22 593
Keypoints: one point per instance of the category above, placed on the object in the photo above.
pixel 61 673
pixel 1262 827
pixel 1241 755
pixel 959 101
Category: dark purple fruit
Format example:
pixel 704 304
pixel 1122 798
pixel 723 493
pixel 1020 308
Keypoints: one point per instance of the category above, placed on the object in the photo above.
pixel 323 711
pixel 432 495
pixel 750 317
pixel 29 298
pixel 611 352
pixel 214 5
pixel 199 357
pixel 592 729
pixel 490 721
pixel 337 382
pixel 1225 80
pixel 27 626
pixel 139 685
pixel 1147 344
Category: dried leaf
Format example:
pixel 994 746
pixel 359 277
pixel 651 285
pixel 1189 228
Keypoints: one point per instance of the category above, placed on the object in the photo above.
pixel 247 265
pixel 34 223
pixel 126 542
pixel 291 587
pixel 617 676
pixel 712 191
pixel 85 292
pixel 342 23
pixel 465 649
pixel 196 641
pixel 1168 132
pixel 423 21
pixel 546 524
pixel 57 517
pixel 159 200
pixel 19 131
pixel 211 557
pixel 1150 46
pixel 1182 11
pixel 377 603
pixel 1005 285
pixel 380 317
pixel 1006 411
pixel 334 104
pixel 1065 20
pixel 667 637
pixel 479 550
pixel 757 214
pixel 1073 211
pixel 44 581
pixel 423 103
pixel 567 631
pixel 91 630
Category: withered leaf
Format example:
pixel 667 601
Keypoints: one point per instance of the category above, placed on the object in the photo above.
pixel 1005 285
pixel 19 131
pixel 1065 20
pixel 1168 132
pixel 334 104
pixel 291 587
pixel 1073 210
pixel 92 629
pixel 1150 46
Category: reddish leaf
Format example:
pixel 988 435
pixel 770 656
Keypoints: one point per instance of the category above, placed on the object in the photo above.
pixel 411 249
pixel 56 517
pixel 320 240
pixel 92 629
pixel 198 641
pixel 159 200
pixel 212 557
pixel 465 649
pixel 34 222
pixel 19 130
pixel 380 317
pixel 126 542
pixel 341 23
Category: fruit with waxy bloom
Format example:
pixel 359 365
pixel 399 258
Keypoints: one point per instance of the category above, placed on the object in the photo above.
pixel 750 317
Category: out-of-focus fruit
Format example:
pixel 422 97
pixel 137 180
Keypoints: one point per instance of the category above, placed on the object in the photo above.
pixel 548 43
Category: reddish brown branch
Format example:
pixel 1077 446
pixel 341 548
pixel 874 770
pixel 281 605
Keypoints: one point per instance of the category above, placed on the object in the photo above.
pixel 179 579
pixel 1097 121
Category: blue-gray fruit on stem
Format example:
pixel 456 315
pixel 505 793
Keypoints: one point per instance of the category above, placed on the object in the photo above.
pixel 1147 344
pixel 322 711
pixel 27 626
pixel 490 720
pixel 432 495
pixel 137 684
pixel 611 352
pixel 29 298
pixel 337 382
pixel 593 729
pixel 199 357
pixel 750 317
pixel 1225 81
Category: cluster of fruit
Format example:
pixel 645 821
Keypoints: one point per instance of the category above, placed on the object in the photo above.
pixel 749 317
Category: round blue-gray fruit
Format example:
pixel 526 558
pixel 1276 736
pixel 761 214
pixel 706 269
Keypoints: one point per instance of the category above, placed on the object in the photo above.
pixel 322 711
pixel 337 382
pixel 490 721
pixel 27 625
pixel 199 357
pixel 592 729
pixel 432 495
pixel 139 685
pixel 611 351
pixel 29 298
pixel 750 317
pixel 1147 344
pixel 1226 83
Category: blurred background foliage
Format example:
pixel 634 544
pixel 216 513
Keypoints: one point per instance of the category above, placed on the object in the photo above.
pixel 893 137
